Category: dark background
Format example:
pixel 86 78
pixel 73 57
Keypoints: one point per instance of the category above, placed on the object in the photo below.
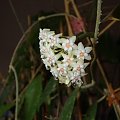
pixel 10 32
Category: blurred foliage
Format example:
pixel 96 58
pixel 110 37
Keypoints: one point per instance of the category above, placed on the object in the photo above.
pixel 68 107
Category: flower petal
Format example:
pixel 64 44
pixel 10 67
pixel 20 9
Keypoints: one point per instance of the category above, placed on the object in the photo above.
pixel 72 39
pixel 88 57
pixel 88 49
pixel 80 46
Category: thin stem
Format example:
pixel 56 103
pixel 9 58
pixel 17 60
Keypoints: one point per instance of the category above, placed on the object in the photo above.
pixel 102 72
pixel 66 3
pixel 75 9
pixel 88 85
pixel 97 19
pixel 54 15
pixel 93 41
pixel 95 37
pixel 85 4
pixel 15 14
pixel 17 90
pixel 107 17
pixel 29 20
pixel 78 107
pixel 101 99
pixel 107 27
pixel 117 110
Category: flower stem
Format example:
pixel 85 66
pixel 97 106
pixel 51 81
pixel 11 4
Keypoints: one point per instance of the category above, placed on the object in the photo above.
pixel 66 3
pixel 17 90
pixel 15 14
pixel 97 19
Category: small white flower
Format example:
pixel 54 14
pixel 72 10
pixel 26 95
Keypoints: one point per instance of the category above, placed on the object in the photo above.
pixel 54 71
pixel 79 68
pixel 68 59
pixel 69 43
pixel 43 33
pixel 75 79
pixel 78 82
pixel 51 57
pixel 47 64
pixel 62 69
pixel 83 52
pixel 44 49
pixel 54 40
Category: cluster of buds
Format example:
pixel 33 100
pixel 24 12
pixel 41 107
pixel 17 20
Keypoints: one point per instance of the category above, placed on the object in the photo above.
pixel 64 58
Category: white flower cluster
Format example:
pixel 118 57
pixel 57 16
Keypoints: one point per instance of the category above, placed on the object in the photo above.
pixel 63 57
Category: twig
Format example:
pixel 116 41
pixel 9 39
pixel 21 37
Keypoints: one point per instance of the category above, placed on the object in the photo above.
pixel 54 15
pixel 75 9
pixel 106 17
pixel 102 72
pixel 66 3
pixel 15 14
pixel 17 90
pixel 88 85
pixel 101 99
pixel 117 110
pixel 95 36
pixel 99 13
pixel 85 4
pixel 107 27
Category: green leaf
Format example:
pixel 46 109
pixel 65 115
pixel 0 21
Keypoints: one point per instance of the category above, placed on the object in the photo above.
pixel 68 107
pixel 50 87
pixel 5 108
pixel 32 98
pixel 91 113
